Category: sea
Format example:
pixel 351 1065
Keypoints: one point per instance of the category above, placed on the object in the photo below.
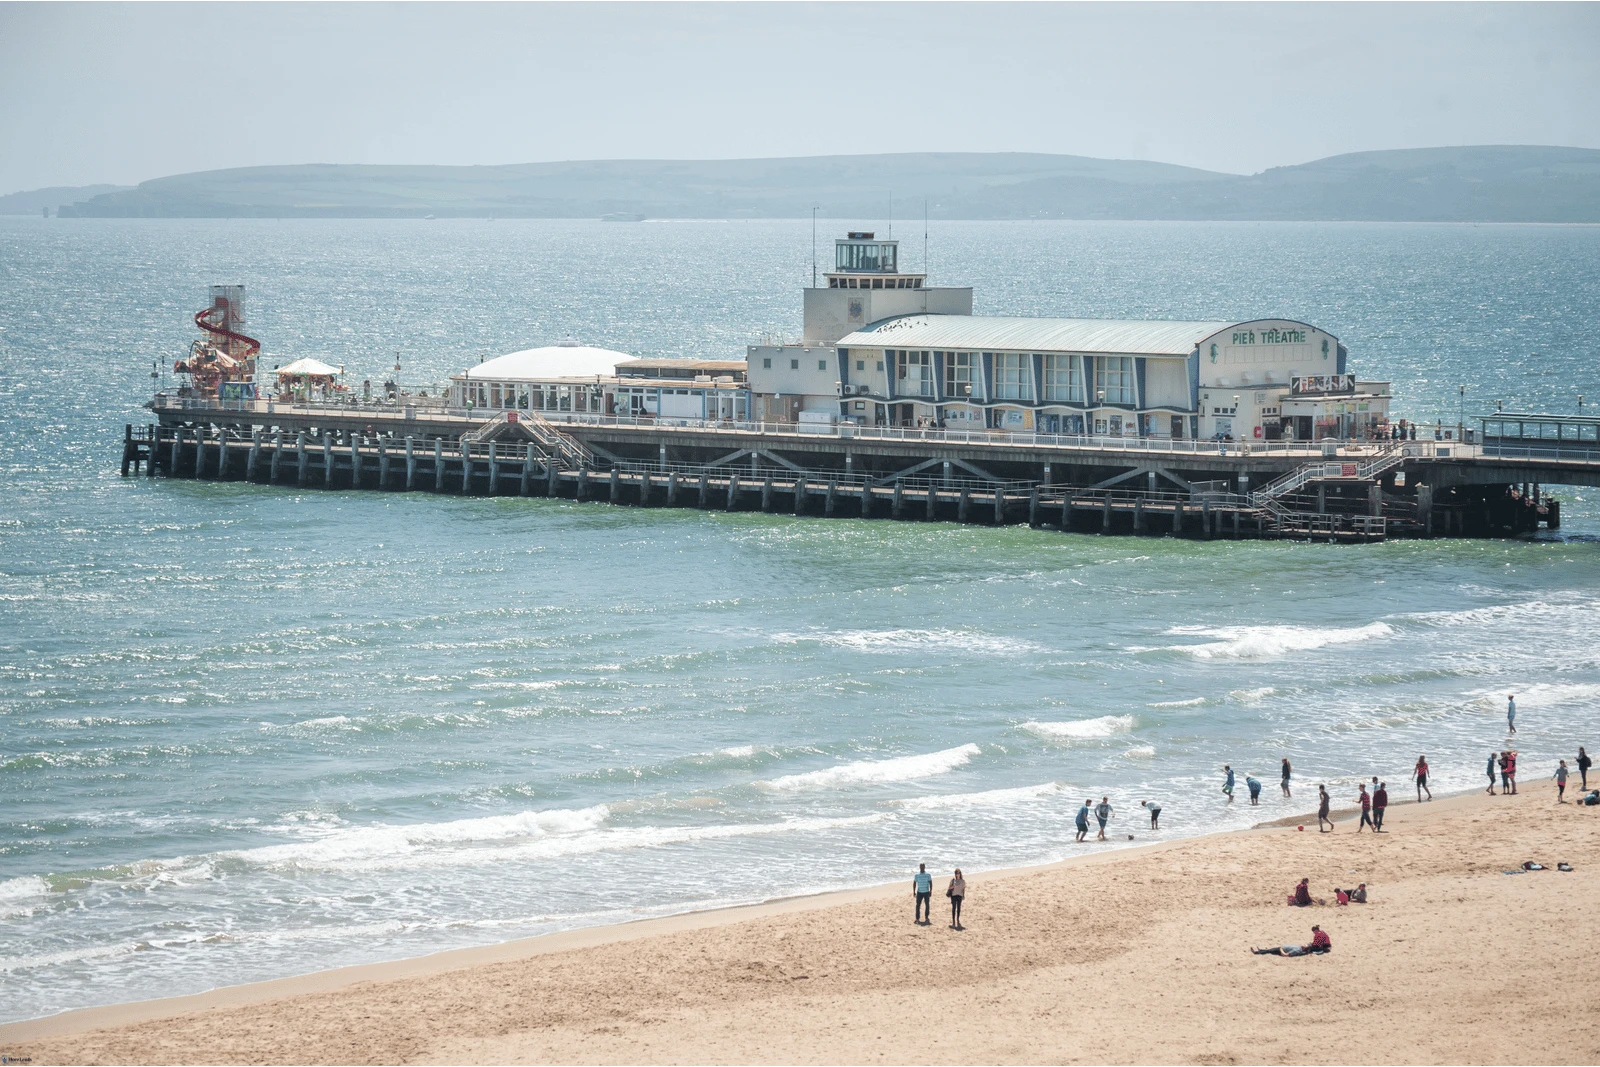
pixel 248 732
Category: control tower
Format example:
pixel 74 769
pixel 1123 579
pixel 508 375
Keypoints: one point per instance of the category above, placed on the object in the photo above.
pixel 867 285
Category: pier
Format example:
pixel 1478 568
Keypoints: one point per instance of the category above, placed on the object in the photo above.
pixel 1329 491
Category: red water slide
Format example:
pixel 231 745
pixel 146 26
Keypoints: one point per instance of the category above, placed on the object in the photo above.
pixel 252 347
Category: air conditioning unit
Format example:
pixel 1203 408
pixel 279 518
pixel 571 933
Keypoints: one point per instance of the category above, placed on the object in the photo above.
pixel 863 388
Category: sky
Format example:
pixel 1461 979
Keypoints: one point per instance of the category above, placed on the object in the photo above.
pixel 121 93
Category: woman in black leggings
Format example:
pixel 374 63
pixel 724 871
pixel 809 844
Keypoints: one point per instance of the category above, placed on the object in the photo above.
pixel 957 890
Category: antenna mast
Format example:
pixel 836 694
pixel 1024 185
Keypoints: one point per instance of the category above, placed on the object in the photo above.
pixel 924 236
pixel 813 247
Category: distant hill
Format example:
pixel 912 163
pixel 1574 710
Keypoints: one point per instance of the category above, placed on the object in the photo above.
pixel 1495 183
pixel 34 201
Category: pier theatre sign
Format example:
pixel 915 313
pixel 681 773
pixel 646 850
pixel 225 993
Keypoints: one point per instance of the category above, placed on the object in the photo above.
pixel 1273 336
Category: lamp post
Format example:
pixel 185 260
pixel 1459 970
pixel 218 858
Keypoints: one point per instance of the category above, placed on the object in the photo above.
pixel 1461 411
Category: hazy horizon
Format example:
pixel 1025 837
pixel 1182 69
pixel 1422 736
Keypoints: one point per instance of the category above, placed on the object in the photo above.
pixel 125 93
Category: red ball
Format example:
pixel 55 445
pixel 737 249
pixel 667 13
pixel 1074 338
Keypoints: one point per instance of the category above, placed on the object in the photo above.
pixel 1299 827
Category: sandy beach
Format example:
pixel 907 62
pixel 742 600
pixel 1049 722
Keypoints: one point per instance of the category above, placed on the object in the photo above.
pixel 1117 956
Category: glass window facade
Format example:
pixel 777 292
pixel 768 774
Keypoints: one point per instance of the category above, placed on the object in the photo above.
pixel 1063 379
pixel 1116 381
pixel 958 375
pixel 1011 376
pixel 874 256
pixel 916 374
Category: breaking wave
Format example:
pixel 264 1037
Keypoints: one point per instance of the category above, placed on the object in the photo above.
pixel 1082 729
pixel 874 772
pixel 1268 642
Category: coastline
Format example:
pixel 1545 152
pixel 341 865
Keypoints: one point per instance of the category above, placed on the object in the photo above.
pixel 721 985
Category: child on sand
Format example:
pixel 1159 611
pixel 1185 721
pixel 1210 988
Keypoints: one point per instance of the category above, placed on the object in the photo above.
pixel 1561 783
pixel 1366 808
pixel 1322 810
pixel 1491 774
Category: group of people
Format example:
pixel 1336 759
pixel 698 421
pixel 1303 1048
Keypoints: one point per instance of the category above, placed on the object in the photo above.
pixel 922 893
pixel 1302 898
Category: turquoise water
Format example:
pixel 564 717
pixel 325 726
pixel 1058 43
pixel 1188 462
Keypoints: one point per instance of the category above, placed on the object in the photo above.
pixel 248 732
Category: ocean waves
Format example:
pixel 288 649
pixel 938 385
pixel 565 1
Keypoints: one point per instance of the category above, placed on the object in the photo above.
pixel 1270 642
pixel 875 772
pixel 1082 729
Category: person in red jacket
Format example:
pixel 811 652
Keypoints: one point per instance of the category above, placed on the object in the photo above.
pixel 1319 944
pixel 1380 803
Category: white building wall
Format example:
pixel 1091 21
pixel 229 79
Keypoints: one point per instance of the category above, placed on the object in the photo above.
pixel 1265 353
pixel 807 373
pixel 831 313
pixel 1166 383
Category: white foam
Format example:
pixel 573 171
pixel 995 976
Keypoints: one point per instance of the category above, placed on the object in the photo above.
pixel 21 896
pixel 1191 703
pixel 738 751
pixel 1082 729
pixel 874 772
pixel 899 641
pixel 1251 696
pixel 1268 642
pixel 988 798
pixel 1141 752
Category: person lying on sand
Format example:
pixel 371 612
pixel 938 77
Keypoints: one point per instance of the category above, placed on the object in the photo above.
pixel 1301 897
pixel 1319 945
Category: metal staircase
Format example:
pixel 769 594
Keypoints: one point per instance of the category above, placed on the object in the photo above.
pixel 1358 469
pixel 562 448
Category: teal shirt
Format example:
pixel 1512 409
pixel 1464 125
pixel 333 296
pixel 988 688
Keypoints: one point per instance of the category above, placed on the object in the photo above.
pixel 923 881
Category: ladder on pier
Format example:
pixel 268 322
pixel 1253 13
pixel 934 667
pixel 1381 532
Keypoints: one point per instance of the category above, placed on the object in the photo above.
pixel 1269 498
pixel 559 447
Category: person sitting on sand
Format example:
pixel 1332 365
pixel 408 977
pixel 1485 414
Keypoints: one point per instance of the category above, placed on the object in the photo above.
pixel 1358 895
pixel 1301 897
pixel 1322 810
pixel 1155 813
pixel 1319 944
pixel 1255 789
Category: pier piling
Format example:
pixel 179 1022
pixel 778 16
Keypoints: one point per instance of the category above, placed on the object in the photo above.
pixel 255 455
pixel 411 463
pixel 438 465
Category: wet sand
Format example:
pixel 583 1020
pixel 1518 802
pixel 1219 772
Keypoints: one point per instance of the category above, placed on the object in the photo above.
pixel 1117 956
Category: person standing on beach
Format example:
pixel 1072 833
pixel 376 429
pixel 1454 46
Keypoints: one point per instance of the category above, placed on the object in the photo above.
pixel 1420 773
pixel 1584 763
pixel 922 890
pixel 1102 814
pixel 1083 821
pixel 1511 714
pixel 1285 782
pixel 1505 773
pixel 1511 770
pixel 1155 812
pixel 1491 774
pixel 1322 810
pixel 1227 785
pixel 1366 807
pixel 1380 803
pixel 1561 783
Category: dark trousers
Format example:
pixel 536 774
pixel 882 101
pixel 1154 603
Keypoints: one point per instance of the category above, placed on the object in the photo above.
pixel 1377 818
pixel 1366 820
pixel 955 911
pixel 924 907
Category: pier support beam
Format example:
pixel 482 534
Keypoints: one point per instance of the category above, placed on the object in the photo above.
pixel 1322 499
pixel 302 460
pixel 705 488
pixel 199 450
pixel 222 453
pixel 277 454
pixel 899 493
pixel 527 470
pixel 552 477
pixel 616 485
pixel 1177 517
pixel 494 467
pixel 833 488
pixel 355 461
pixel 799 495
pixel 1138 515
pixel 1105 515
pixel 438 465
pixel 583 483
pixel 383 461
pixel 411 463
pixel 962 503
pixel 466 466
pixel 672 489
pixel 1205 520
pixel 766 494
pixel 327 461
pixel 177 443
pixel 931 502
pixel 733 491
pixel 1033 505
pixel 255 455
pixel 999 506
pixel 1375 499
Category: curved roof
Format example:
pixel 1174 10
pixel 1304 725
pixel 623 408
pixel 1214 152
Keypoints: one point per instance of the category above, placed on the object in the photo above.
pixel 1154 337
pixel 307 368
pixel 552 361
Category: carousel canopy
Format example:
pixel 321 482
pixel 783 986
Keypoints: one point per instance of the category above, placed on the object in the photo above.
pixel 307 368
